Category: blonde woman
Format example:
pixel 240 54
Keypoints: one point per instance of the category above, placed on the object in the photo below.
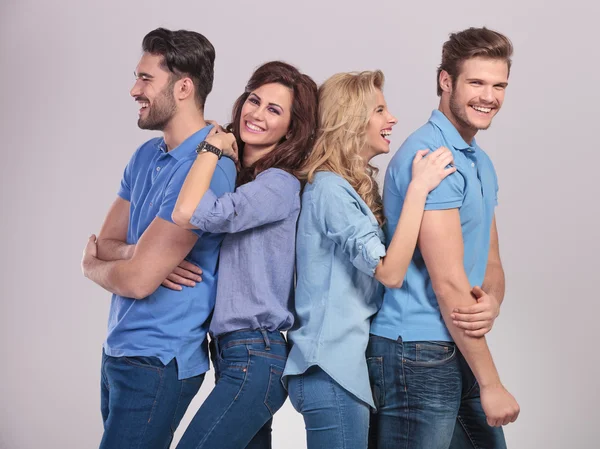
pixel 341 257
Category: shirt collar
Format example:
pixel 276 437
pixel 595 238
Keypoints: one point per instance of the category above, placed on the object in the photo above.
pixel 450 132
pixel 187 147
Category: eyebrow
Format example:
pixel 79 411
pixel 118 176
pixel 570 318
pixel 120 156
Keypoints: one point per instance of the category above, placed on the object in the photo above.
pixel 140 74
pixel 503 84
pixel 270 104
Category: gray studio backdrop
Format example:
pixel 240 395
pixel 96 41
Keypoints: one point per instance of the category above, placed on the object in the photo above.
pixel 68 128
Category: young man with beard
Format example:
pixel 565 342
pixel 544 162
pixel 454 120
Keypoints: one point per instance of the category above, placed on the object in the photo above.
pixel 155 354
pixel 432 373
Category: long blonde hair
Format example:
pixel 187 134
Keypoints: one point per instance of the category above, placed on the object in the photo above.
pixel 346 103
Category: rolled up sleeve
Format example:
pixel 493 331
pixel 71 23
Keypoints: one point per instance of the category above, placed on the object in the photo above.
pixel 341 218
pixel 272 196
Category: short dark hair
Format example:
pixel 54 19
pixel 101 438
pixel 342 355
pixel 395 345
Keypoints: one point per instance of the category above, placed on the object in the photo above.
pixel 185 53
pixel 472 43
pixel 291 152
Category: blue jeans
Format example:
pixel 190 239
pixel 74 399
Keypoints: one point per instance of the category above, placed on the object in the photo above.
pixel 239 411
pixel 334 418
pixel 142 401
pixel 426 397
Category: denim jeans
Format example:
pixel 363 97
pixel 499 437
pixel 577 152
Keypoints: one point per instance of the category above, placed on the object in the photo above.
pixel 426 397
pixel 142 401
pixel 334 418
pixel 239 411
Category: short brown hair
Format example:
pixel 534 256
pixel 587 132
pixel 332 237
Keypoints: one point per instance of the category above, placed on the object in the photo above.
pixel 472 43
pixel 184 53
pixel 289 154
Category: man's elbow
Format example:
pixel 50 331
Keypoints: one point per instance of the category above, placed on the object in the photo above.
pixel 447 288
pixel 137 286
pixel 139 292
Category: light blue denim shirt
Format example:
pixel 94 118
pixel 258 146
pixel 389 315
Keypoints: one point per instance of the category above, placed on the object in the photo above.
pixel 338 247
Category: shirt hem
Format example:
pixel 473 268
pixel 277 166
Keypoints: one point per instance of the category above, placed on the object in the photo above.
pixel 300 371
pixel 196 370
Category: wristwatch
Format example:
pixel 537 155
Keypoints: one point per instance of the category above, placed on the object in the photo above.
pixel 204 147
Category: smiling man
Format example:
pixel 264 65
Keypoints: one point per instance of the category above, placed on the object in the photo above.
pixel 433 376
pixel 155 354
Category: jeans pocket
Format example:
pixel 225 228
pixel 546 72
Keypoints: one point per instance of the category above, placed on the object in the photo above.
pixel 432 353
pixel 276 394
pixel 376 379
pixel 234 355
pixel 268 355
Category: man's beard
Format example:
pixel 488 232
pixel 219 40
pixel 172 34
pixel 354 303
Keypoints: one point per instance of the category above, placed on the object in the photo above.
pixel 160 112
pixel 460 115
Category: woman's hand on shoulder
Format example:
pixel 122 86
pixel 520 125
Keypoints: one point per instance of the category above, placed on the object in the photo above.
pixel 431 168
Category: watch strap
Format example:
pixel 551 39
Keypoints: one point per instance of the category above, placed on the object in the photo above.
pixel 204 147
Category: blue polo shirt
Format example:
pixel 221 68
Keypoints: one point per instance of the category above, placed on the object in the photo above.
pixel 412 311
pixel 167 324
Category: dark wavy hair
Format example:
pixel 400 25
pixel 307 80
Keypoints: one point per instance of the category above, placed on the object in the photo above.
pixel 185 53
pixel 291 152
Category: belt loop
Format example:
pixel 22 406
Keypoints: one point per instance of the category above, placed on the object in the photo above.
pixel 217 349
pixel 266 338
pixel 402 348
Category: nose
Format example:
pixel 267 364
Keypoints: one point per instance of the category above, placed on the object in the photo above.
pixel 487 94
pixel 392 120
pixel 136 90
pixel 257 114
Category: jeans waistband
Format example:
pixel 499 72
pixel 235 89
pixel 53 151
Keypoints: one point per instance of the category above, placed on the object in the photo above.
pixel 245 336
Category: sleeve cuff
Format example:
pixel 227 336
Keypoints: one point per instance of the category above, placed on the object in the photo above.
pixel 126 195
pixel 443 205
pixel 203 209
pixel 369 255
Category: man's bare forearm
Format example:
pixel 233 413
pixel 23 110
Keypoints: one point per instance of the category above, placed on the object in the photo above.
pixel 494 281
pixel 454 294
pixel 117 276
pixel 111 249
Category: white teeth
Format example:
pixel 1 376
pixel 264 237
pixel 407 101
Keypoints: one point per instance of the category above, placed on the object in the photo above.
pixel 254 127
pixel 386 132
pixel 480 109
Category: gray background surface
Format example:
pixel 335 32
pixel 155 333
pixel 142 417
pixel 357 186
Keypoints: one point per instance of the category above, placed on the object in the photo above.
pixel 68 128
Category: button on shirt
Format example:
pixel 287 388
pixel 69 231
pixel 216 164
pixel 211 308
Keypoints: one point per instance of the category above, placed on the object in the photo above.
pixel 412 311
pixel 256 269
pixel 167 324
pixel 339 245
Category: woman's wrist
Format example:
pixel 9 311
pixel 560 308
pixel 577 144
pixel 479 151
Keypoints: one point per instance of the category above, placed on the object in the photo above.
pixel 418 190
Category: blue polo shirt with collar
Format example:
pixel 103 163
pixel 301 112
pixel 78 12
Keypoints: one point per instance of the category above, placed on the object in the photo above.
pixel 412 311
pixel 167 324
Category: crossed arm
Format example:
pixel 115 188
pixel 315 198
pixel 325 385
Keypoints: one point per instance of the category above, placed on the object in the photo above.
pixel 113 234
pixel 441 244
pixel 134 271
pixel 477 319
